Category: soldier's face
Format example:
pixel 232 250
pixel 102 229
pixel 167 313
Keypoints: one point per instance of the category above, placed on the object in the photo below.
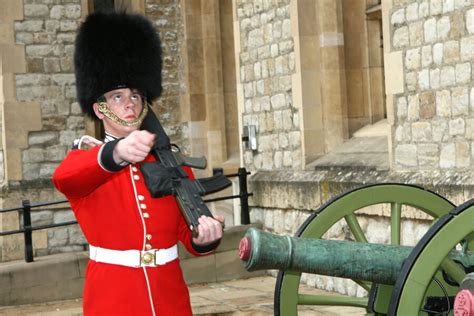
pixel 126 104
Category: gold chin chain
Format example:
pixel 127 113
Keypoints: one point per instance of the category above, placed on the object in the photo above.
pixel 104 109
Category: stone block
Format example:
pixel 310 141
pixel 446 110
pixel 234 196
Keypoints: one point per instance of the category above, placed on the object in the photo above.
pixel 463 73
pixel 29 26
pixel 421 132
pixel 394 66
pixel 43 273
pixel 457 127
pixel 448 156
pixel 443 103
pixel 470 21
pixel 199 269
pixel 41 218
pixel 34 65
pixel 426 56
pixel 42 138
pixel 457 26
pixel 436 7
pixel 33 79
pixel 47 170
pixel 430 31
pixel 76 237
pixel 462 154
pixel 460 101
pixel 413 107
pixel 58 237
pixel 398 17
pixel 440 130
pixel 427 105
pixel 416 33
pixel 56 12
pixel 33 155
pixel 413 59
pixel 428 157
pixel 68 25
pixel 438 53
pixel 402 108
pixel 406 155
pixel 451 52
pixel 412 12
pixel 424 9
pixel 470 129
pixel 443 28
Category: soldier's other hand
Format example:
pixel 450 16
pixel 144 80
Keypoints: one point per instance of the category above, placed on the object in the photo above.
pixel 135 147
pixel 210 230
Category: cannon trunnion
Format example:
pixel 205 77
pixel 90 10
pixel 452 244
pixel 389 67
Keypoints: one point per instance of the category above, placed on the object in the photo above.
pixel 400 280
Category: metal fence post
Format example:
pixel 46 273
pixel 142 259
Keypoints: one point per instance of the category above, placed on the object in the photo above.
pixel 27 230
pixel 244 197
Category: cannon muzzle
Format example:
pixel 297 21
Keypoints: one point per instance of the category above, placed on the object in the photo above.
pixel 464 303
pixel 380 263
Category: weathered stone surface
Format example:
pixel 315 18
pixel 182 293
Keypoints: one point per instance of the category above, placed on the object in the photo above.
pixel 406 155
pixel 42 138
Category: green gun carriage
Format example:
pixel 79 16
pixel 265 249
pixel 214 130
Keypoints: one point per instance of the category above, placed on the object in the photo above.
pixel 400 280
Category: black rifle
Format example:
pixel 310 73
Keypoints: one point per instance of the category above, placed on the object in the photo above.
pixel 167 177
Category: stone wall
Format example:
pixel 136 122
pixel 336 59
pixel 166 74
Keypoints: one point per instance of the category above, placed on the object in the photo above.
pixel 45 241
pixel 432 134
pixel 434 117
pixel 167 16
pixel 266 65
pixel 47 33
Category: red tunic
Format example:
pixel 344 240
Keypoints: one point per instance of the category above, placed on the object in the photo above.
pixel 110 208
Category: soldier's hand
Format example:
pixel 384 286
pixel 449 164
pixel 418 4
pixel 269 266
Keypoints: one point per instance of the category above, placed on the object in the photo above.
pixel 134 148
pixel 210 230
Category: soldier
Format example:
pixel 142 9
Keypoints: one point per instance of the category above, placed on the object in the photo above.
pixel 134 267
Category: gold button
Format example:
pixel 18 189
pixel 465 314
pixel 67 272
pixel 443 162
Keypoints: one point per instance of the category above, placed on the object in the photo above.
pixel 141 197
pixel 143 206
pixel 136 177
pixel 147 246
pixel 134 169
pixel 146 215
pixel 148 258
pixel 148 236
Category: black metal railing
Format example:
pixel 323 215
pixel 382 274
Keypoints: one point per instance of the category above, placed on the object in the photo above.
pixel 28 229
pixel 243 195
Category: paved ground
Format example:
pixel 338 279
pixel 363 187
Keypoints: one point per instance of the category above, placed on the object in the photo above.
pixel 240 297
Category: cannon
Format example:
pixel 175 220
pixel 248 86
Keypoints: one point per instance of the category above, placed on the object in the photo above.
pixel 401 280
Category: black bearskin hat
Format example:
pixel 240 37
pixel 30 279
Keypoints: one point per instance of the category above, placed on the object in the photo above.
pixel 116 50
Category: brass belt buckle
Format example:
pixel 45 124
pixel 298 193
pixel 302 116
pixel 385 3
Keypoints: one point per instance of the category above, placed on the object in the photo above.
pixel 147 258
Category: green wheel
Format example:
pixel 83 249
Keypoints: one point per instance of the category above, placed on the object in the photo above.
pixel 287 297
pixel 428 275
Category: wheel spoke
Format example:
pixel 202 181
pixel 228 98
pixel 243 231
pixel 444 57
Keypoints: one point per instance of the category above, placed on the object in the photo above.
pixel 304 299
pixel 395 225
pixel 366 285
pixel 355 228
pixel 454 271
pixel 469 246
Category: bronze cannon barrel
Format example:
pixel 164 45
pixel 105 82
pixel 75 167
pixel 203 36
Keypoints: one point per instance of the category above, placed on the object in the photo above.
pixel 378 263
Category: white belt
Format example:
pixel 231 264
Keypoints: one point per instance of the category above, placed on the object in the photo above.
pixel 134 258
